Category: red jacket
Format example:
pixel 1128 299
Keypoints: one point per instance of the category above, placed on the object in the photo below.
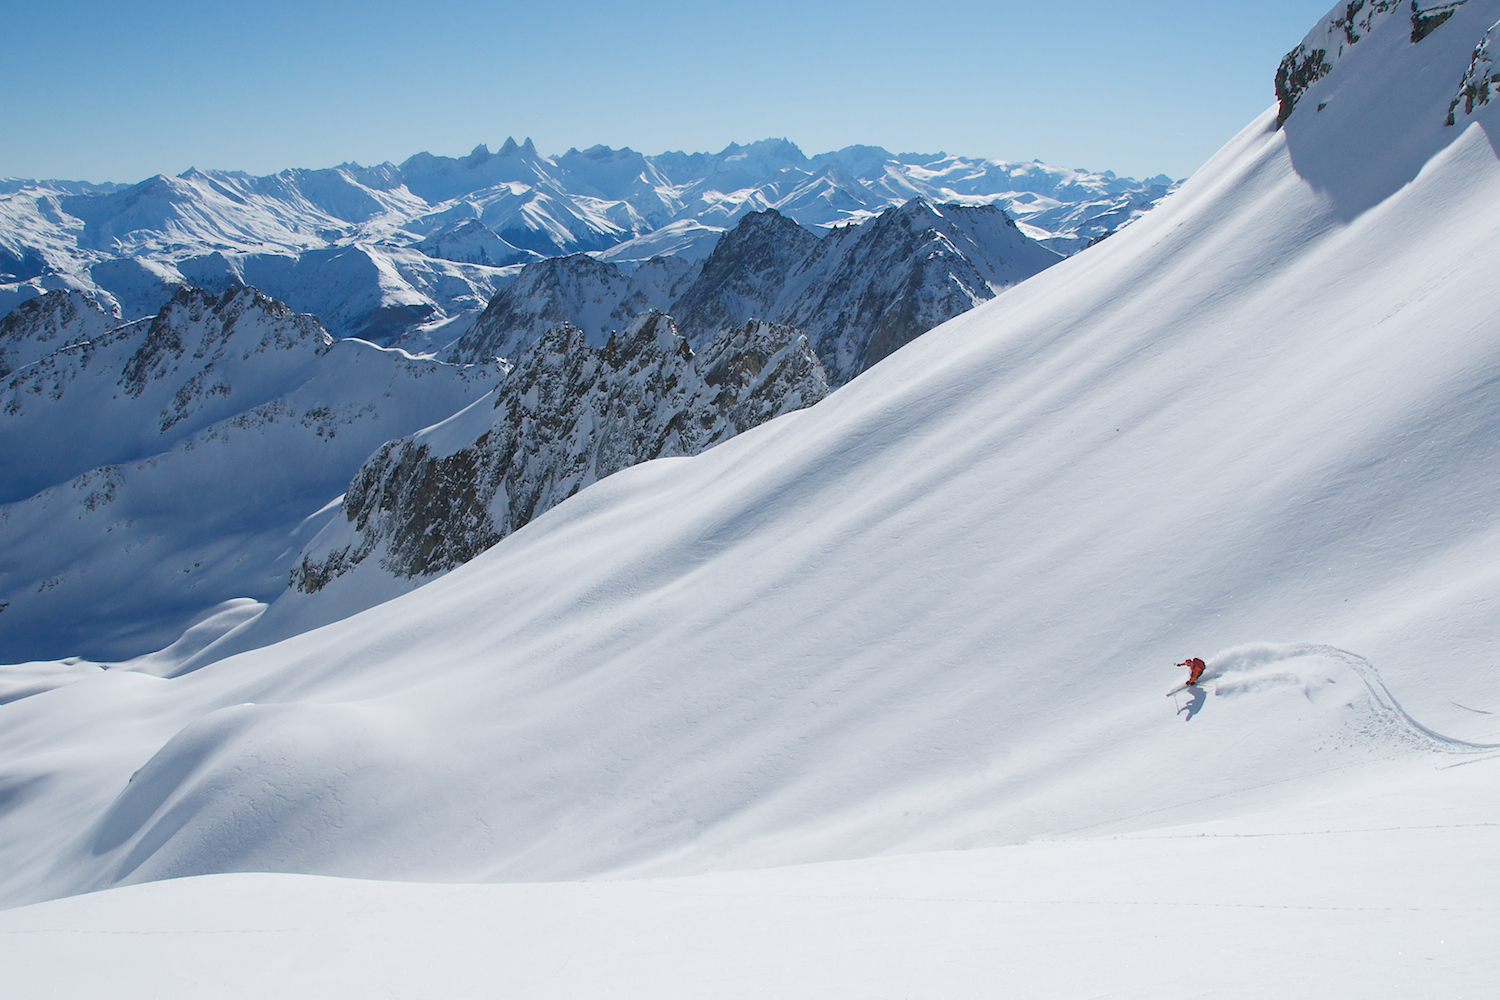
pixel 1195 669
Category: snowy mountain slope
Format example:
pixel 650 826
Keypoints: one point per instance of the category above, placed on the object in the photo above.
pixel 153 470
pixel 567 416
pixel 422 247
pixel 936 609
pixel 44 326
pixel 145 386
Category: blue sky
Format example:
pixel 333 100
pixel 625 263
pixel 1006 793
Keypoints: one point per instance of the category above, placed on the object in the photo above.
pixel 123 90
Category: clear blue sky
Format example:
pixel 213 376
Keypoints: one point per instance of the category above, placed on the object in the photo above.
pixel 122 90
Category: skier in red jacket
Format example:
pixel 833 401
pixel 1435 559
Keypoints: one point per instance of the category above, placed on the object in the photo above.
pixel 1195 669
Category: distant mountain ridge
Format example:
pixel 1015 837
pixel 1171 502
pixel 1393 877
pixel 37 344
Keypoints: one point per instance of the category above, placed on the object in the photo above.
pixel 409 254
pixel 859 293
pixel 150 471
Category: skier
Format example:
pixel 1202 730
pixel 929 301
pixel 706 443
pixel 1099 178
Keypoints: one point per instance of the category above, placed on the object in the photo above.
pixel 1195 669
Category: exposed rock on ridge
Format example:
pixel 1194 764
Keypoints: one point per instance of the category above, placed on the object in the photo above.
pixel 594 295
pixel 1349 23
pixel 568 415
pixel 859 293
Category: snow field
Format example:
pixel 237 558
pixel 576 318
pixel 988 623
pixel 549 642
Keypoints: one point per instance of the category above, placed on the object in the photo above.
pixel 1357 895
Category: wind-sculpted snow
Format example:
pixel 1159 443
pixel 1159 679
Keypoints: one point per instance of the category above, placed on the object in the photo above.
pixel 409 255
pixel 151 470
pixel 567 416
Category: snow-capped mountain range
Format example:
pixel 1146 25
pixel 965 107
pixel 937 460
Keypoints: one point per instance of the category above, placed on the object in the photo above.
pixel 859 293
pixel 150 471
pixel 816 311
pixel 407 255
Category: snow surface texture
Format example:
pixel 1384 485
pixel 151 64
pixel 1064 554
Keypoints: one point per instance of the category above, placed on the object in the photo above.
pixel 932 612
pixel 409 255
pixel 150 471
pixel 858 294
pixel 1341 898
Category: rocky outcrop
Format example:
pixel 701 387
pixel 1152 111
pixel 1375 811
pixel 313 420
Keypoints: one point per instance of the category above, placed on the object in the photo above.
pixel 568 415
pixel 1349 24
pixel 594 295
pixel 1299 69
pixel 1425 22
pixel 745 276
pixel 1479 82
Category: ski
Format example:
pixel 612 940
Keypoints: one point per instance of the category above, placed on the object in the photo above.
pixel 1180 687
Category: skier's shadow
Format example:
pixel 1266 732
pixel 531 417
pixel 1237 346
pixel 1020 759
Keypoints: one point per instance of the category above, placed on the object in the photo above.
pixel 1196 699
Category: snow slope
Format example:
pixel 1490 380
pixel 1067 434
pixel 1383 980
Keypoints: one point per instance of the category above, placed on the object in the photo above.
pixel 567 416
pixel 1333 899
pixel 936 611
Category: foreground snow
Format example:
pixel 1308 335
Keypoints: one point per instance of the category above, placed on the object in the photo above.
pixel 1385 891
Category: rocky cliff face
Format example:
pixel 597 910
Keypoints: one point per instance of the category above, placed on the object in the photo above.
pixel 594 295
pixel 863 291
pixel 869 291
pixel 859 293
pixel 568 415
pixel 745 276
pixel 1347 25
